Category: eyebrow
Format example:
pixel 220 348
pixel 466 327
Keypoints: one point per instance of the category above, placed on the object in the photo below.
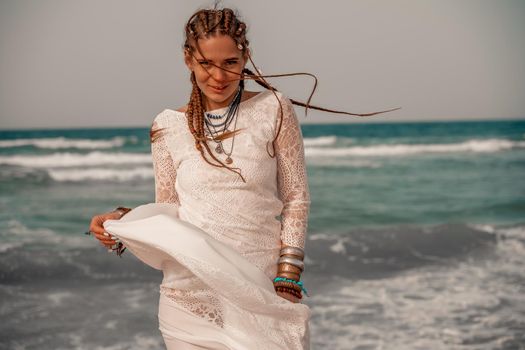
pixel 227 59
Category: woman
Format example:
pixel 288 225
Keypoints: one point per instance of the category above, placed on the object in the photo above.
pixel 227 165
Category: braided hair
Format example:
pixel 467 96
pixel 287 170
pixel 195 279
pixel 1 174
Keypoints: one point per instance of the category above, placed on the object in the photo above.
pixel 203 24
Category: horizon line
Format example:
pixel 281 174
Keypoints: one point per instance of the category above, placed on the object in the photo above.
pixel 313 123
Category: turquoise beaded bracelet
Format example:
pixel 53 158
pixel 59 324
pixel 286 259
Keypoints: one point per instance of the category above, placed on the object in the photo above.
pixel 300 283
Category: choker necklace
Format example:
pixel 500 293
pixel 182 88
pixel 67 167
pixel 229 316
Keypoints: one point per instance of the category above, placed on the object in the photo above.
pixel 229 114
pixel 219 128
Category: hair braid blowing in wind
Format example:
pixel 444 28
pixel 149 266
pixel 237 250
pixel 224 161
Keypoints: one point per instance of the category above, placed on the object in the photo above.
pixel 210 22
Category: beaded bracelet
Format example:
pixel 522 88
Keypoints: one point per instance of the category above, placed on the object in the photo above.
pixel 293 286
pixel 292 276
pixel 289 291
pixel 300 284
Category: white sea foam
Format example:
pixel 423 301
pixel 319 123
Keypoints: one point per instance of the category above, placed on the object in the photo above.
pixel 75 159
pixel 474 145
pixel 74 175
pixel 343 163
pixel 15 234
pixel 62 142
pixel 427 308
pixel 517 232
pixel 319 141
pixel 338 247
pixel 483 227
pixel 57 298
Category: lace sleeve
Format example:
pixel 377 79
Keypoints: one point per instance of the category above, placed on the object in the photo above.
pixel 164 169
pixel 292 179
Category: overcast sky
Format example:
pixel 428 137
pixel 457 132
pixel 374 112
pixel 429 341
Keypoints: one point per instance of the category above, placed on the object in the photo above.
pixel 102 63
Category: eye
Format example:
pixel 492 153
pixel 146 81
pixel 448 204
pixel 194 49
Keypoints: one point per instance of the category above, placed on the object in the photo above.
pixel 231 63
pixel 204 63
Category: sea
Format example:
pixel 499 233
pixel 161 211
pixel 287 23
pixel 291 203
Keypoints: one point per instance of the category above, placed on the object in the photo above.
pixel 416 237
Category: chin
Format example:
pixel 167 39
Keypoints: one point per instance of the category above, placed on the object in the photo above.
pixel 216 98
pixel 219 97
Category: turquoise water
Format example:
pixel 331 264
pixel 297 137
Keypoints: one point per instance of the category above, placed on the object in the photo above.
pixel 416 236
pixel 359 175
pixel 426 173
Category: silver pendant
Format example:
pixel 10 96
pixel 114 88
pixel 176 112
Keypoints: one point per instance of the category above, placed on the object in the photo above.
pixel 218 149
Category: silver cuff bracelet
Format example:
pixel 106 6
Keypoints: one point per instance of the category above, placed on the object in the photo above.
pixel 292 251
pixel 291 261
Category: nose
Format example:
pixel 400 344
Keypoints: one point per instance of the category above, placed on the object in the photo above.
pixel 219 75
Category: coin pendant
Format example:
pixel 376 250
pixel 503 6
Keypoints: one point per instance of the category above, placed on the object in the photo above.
pixel 229 160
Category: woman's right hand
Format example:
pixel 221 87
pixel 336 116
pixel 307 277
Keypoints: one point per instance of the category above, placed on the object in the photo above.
pixel 97 227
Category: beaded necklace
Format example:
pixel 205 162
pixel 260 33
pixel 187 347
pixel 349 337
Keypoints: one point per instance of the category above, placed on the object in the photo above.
pixel 229 115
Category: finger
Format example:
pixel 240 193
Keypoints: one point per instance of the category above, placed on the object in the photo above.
pixel 109 244
pixel 96 225
pixel 105 245
pixel 106 238
pixel 108 241
pixel 97 222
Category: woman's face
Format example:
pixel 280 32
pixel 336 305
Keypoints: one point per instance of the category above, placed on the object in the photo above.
pixel 218 86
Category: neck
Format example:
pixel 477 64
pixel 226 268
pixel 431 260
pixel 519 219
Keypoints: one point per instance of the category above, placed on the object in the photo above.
pixel 210 105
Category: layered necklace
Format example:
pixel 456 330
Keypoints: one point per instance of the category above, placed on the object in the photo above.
pixel 221 122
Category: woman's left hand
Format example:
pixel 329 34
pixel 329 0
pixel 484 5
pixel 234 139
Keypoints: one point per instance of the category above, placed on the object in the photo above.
pixel 289 297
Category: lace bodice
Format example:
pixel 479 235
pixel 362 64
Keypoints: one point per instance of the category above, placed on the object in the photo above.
pixel 216 199
pixel 256 218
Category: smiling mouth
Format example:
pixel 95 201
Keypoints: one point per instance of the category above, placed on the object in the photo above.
pixel 219 87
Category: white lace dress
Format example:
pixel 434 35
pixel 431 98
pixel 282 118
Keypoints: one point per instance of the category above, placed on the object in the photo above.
pixel 217 239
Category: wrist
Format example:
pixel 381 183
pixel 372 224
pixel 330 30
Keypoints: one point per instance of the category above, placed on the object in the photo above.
pixel 121 211
pixel 289 275
pixel 289 291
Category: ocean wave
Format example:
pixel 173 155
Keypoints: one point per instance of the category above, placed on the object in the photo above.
pixel 371 253
pixel 474 145
pixel 100 174
pixel 343 163
pixel 17 235
pixel 62 142
pixel 76 159
pixel 319 141
pixel 517 232
pixel 406 308
pixel 12 174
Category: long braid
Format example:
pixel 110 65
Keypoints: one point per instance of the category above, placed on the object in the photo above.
pixel 224 21
pixel 227 23
pixel 205 22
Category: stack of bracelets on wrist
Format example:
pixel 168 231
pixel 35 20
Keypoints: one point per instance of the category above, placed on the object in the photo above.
pixel 291 266
pixel 120 246
pixel 122 210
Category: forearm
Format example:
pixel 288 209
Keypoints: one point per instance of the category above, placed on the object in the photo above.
pixel 294 219
pixel 294 193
